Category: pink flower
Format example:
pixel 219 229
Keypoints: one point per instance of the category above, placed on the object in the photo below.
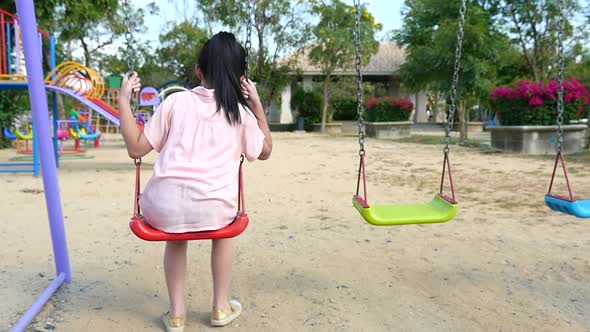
pixel 536 101
pixel 502 92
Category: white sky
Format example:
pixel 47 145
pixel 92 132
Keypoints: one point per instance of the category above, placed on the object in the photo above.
pixel 387 12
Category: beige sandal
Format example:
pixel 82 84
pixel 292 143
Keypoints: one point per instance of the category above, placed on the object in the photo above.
pixel 173 324
pixel 222 317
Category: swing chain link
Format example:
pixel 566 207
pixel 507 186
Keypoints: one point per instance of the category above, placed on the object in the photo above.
pixel 129 44
pixel 560 77
pixel 359 77
pixel 248 44
pixel 455 82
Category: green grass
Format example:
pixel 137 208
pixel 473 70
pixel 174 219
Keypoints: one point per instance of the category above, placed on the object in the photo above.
pixel 436 140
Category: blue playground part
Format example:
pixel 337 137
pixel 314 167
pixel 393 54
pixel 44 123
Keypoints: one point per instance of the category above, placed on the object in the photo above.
pixel 8 134
pixel 578 208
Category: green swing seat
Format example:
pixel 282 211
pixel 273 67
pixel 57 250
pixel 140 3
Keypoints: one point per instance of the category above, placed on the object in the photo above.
pixel 438 210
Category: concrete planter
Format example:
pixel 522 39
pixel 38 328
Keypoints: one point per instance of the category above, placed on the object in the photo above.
pixel 536 139
pixel 350 127
pixel 388 129
pixel 332 128
pixel 472 127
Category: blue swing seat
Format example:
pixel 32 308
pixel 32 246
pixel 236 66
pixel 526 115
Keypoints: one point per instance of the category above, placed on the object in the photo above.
pixel 578 208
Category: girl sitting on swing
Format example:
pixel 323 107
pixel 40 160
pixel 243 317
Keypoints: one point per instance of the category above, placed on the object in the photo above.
pixel 200 135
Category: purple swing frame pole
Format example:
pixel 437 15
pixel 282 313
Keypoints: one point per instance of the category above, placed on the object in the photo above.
pixel 38 98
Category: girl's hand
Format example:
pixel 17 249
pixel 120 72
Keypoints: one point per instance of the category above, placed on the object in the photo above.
pixel 251 94
pixel 131 83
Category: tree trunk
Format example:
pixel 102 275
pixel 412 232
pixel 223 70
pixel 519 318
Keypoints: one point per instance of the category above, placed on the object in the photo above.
pixel 86 52
pixel 326 103
pixel 462 123
pixel 260 58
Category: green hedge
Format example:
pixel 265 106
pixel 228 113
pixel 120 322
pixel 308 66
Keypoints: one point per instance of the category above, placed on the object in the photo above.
pixel 308 105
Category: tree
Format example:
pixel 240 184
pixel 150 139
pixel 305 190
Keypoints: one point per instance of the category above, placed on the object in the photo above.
pixel 180 49
pixel 280 26
pixel 96 24
pixel 429 34
pixel 334 47
pixel 534 25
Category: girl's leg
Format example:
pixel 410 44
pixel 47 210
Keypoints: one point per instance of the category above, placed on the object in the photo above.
pixel 222 254
pixel 175 270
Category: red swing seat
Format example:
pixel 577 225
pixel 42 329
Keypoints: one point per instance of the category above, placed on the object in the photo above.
pixel 144 231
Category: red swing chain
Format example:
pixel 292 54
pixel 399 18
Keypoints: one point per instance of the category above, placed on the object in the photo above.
pixel 450 118
pixel 453 106
pixel 447 165
pixel 359 104
pixel 567 180
pixel 560 119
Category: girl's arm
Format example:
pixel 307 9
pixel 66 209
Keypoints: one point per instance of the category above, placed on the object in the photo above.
pixel 136 142
pixel 255 105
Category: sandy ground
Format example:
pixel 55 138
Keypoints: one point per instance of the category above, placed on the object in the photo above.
pixel 308 262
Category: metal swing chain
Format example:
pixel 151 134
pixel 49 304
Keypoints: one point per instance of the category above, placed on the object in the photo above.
pixel 359 77
pixel 455 82
pixel 248 44
pixel 129 44
pixel 560 76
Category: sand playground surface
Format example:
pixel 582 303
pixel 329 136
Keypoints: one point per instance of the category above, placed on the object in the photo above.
pixel 308 262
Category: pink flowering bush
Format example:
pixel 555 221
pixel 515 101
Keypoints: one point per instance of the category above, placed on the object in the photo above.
pixel 529 103
pixel 385 109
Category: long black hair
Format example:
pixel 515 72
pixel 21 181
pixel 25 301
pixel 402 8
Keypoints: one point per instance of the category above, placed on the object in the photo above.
pixel 223 62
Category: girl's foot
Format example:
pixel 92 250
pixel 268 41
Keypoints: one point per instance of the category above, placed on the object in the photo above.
pixel 173 324
pixel 222 317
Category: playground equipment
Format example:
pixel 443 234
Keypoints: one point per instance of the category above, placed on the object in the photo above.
pixel 8 134
pixel 26 144
pixel 569 205
pixel 138 224
pixel 24 137
pixel 69 78
pixel 443 207
pixel 84 128
pixel 13 76
pixel 37 96
pixel 68 129
pixel 170 90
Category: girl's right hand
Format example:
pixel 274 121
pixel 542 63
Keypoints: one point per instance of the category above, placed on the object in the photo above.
pixel 130 84
pixel 251 94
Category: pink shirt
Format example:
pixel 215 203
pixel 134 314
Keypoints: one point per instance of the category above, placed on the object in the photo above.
pixel 195 182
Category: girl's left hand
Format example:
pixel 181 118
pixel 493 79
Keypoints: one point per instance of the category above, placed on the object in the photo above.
pixel 131 83
pixel 250 93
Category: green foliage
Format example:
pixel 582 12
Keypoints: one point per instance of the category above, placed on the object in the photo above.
pixel 181 46
pixel 519 113
pixel 429 35
pixel 344 109
pixel 334 47
pixel 278 27
pixel 308 105
pixel 533 26
pixel 86 22
pixel 581 69
pixel 12 104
